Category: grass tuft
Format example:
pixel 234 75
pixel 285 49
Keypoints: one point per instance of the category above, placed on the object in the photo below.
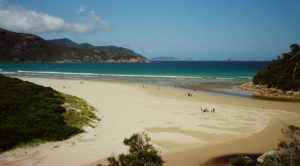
pixel 78 112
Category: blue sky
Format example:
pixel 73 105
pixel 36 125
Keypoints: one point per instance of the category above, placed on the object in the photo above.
pixel 204 30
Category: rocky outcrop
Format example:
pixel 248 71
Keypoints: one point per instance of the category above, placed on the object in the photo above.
pixel 263 90
pixel 87 60
pixel 274 153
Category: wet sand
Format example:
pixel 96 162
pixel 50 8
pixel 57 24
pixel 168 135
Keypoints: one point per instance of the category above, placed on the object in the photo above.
pixel 234 91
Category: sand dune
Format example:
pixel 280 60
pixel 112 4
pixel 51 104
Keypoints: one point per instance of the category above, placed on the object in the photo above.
pixel 184 134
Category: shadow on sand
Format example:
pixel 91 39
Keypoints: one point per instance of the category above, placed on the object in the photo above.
pixel 224 160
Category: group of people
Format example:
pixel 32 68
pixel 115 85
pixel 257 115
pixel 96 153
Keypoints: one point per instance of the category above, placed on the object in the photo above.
pixel 206 110
pixel 189 94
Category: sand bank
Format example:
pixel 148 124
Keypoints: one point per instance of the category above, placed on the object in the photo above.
pixel 174 121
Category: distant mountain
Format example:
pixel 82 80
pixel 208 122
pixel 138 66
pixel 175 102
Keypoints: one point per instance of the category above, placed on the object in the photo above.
pixel 165 58
pixel 65 42
pixel 227 59
pixel 21 47
pixel 87 46
pixel 69 43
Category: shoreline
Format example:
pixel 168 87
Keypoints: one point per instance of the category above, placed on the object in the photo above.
pixel 236 91
pixel 173 121
pixel 261 91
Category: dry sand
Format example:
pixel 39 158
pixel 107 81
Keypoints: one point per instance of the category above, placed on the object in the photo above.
pixel 184 134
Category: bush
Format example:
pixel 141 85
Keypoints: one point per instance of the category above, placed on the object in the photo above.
pixel 273 160
pixel 29 112
pixel 288 151
pixel 141 153
pixel 241 161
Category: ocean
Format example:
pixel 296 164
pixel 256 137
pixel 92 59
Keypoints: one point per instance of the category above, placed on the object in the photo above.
pixel 219 77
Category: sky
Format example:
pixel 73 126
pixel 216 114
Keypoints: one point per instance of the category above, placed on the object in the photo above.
pixel 198 29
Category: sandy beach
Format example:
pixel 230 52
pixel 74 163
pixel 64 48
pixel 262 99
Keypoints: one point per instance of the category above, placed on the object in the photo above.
pixel 174 121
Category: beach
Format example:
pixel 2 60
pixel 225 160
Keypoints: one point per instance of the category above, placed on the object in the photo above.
pixel 178 128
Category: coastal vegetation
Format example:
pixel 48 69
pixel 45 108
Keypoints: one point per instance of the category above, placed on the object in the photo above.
pixel 78 112
pixel 21 47
pixel 31 114
pixel 282 73
pixel 141 152
pixel 287 153
pixel 241 161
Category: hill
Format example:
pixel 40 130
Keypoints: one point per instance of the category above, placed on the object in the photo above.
pixel 114 49
pixel 282 73
pixel 165 58
pixel 31 113
pixel 21 47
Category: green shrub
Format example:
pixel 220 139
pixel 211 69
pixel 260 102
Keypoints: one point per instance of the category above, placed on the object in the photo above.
pixel 30 112
pixel 241 161
pixel 289 150
pixel 141 153
pixel 275 160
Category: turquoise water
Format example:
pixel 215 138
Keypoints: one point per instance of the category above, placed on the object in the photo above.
pixel 207 73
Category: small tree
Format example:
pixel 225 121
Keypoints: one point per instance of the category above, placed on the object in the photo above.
pixel 291 150
pixel 141 153
pixel 295 48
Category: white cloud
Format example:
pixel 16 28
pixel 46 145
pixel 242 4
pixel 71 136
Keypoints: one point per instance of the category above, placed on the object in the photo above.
pixel 81 9
pixel 93 12
pixel 103 24
pixel 20 19
pixel 149 51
